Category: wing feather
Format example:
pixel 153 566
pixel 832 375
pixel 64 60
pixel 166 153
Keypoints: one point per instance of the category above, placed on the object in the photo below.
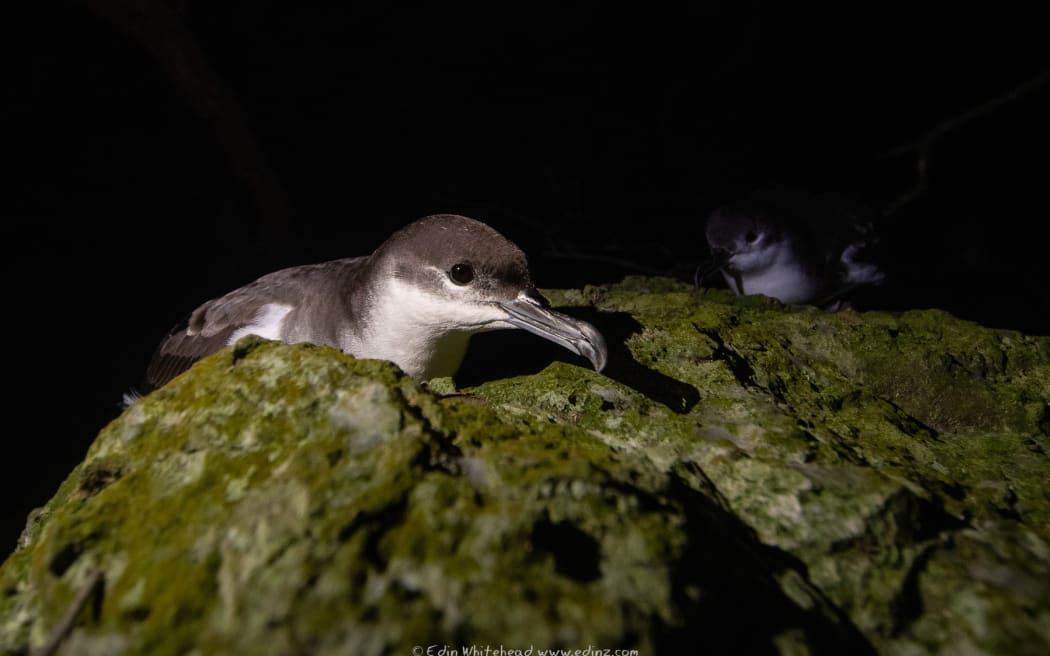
pixel 210 327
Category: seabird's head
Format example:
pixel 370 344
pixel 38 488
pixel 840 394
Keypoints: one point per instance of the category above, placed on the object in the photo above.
pixel 744 238
pixel 794 245
pixel 448 274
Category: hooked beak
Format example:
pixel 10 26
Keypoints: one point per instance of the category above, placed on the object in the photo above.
pixel 530 313
pixel 719 259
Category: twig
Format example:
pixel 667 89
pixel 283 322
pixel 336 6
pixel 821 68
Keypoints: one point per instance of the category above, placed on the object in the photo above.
pixel 158 28
pixel 924 144
pixel 65 625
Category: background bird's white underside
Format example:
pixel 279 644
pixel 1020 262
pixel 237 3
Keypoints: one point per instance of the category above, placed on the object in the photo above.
pixel 788 284
pixel 774 272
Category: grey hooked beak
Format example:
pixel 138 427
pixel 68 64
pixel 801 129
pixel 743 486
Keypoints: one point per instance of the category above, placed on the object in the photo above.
pixel 531 313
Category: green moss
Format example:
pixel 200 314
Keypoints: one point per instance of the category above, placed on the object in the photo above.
pixel 744 475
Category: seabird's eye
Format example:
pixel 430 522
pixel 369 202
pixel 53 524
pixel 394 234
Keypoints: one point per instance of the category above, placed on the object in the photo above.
pixel 751 236
pixel 461 273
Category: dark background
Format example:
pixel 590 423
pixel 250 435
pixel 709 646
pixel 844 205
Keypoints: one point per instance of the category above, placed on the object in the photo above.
pixel 160 153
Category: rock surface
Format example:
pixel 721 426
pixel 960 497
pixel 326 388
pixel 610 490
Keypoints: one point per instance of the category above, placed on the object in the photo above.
pixel 745 477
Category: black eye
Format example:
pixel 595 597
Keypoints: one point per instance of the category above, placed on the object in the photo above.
pixel 751 236
pixel 461 273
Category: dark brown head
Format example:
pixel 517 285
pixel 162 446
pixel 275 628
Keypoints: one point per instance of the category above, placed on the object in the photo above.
pixel 458 254
pixel 446 274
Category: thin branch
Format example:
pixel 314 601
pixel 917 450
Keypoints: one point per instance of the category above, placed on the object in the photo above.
pixel 974 113
pixel 65 625
pixel 158 28
pixel 922 145
pixel 922 181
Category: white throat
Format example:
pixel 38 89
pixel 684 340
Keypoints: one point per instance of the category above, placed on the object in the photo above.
pixel 424 333
pixel 774 271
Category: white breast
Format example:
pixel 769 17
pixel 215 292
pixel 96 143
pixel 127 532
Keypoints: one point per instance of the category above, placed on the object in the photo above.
pixel 774 271
pixel 787 283
pixel 425 334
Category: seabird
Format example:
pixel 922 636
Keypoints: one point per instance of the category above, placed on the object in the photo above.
pixel 415 301
pixel 795 246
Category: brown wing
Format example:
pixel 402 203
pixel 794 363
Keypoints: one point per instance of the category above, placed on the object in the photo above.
pixel 184 345
pixel 178 351
pixel 209 328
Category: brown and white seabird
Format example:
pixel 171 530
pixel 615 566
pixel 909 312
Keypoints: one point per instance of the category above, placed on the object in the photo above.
pixel 796 246
pixel 415 301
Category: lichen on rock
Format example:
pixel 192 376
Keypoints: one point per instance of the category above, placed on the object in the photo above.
pixel 745 476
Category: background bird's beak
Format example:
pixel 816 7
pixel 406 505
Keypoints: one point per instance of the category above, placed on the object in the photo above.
pixel 719 260
pixel 531 313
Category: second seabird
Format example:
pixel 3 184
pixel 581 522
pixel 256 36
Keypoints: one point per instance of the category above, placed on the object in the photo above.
pixel 415 301
pixel 796 246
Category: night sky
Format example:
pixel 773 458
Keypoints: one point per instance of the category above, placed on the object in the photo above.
pixel 597 138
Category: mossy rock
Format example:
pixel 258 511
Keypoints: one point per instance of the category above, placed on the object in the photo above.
pixel 744 477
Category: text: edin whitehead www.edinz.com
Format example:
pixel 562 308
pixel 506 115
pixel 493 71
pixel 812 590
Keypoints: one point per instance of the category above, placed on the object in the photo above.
pixel 488 650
